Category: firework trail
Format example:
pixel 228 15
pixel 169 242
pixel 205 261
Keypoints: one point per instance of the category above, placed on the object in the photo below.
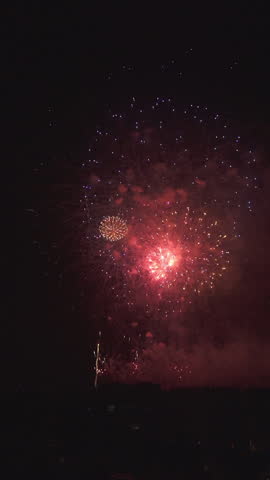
pixel 97 355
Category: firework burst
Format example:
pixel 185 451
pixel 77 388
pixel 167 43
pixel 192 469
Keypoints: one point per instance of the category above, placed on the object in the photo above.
pixel 113 228
pixel 161 262
pixel 183 182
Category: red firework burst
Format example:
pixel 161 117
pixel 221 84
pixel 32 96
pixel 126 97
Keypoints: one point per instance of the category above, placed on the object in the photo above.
pixel 161 262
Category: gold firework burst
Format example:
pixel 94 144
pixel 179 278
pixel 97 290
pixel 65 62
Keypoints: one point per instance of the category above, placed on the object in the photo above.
pixel 113 228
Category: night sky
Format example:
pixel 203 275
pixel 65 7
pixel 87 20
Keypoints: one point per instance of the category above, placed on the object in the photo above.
pixel 69 72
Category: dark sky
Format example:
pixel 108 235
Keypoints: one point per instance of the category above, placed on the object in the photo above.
pixel 56 62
